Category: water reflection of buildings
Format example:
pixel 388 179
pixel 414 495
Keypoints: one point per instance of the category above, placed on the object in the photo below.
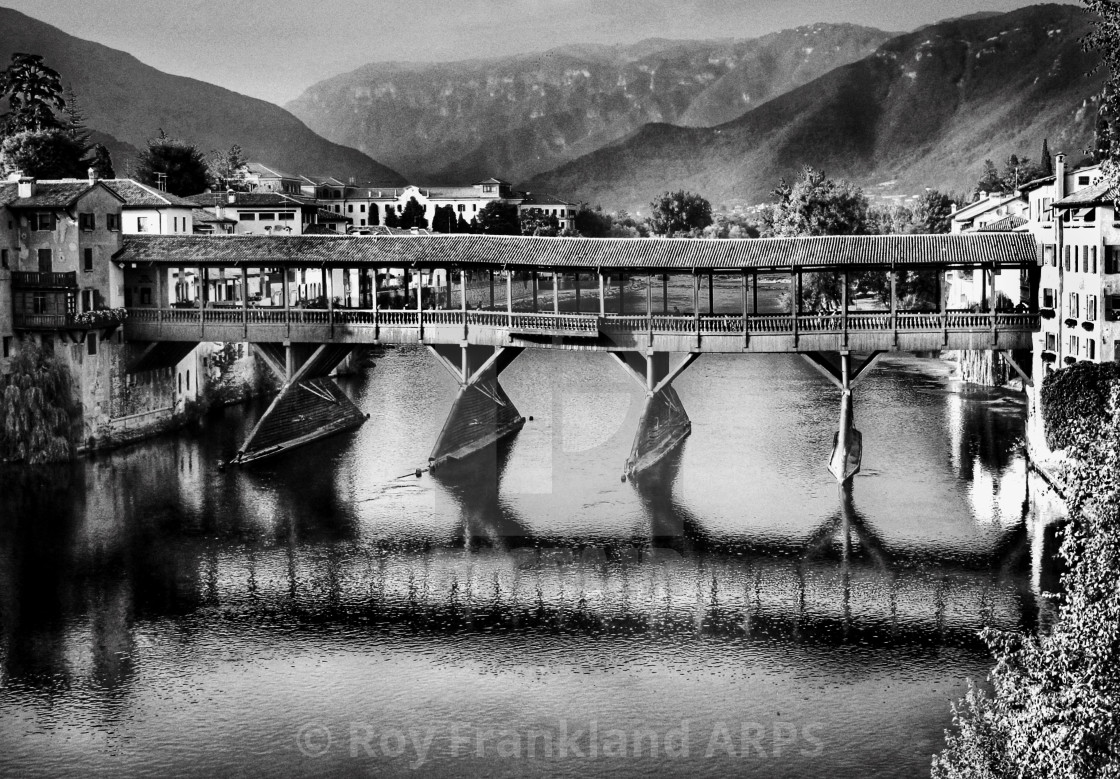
pixel 77 576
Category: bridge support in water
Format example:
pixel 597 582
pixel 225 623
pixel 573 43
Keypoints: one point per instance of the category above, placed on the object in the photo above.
pixel 664 424
pixel 309 406
pixel 482 413
pixel 847 445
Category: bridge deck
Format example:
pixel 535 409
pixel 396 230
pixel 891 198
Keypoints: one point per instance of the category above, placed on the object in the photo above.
pixel 904 331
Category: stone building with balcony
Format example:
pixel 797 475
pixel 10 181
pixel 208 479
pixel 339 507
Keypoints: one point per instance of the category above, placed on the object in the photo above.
pixel 61 292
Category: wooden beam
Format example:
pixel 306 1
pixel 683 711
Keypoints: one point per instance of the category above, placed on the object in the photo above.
pixel 689 358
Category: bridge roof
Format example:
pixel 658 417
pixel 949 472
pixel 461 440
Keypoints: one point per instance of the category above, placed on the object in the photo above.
pixel 638 254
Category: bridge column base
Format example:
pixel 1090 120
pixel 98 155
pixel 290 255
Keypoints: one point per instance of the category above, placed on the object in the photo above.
pixel 309 406
pixel 482 413
pixel 664 424
pixel 847 444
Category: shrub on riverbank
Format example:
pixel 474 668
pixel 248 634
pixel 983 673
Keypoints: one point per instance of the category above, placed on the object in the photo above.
pixel 38 412
pixel 1054 709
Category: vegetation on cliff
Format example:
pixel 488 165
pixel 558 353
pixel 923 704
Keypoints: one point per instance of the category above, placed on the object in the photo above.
pixel 38 411
pixel 1054 708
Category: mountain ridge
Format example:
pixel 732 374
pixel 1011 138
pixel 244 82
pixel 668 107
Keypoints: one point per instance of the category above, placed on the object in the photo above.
pixel 129 101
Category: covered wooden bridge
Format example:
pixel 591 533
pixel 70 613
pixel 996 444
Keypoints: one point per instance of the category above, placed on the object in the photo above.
pixel 476 301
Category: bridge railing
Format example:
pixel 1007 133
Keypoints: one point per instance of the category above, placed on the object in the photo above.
pixel 589 323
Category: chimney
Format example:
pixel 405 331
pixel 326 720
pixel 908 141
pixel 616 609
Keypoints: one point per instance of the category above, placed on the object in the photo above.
pixel 1059 176
pixel 26 186
pixel 92 175
pixel 231 196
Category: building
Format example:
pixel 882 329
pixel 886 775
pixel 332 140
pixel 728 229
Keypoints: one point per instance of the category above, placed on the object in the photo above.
pixel 263 178
pixel 267 213
pixel 1073 216
pixel 61 292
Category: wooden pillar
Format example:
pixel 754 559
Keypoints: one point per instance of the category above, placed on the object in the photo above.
pixel 509 299
pixel 696 299
pixel 201 296
pixel 328 290
pixel 555 293
pixel 602 295
pixel 463 297
pixel 665 294
pixel 535 307
pixel 754 287
pixel 649 309
pixel 943 305
pixel 711 293
pixel 844 306
pixel 490 277
pixel 992 304
pixel 287 307
pixel 579 308
pixel 245 300
pixel 746 328
pixel 621 294
pixel 894 307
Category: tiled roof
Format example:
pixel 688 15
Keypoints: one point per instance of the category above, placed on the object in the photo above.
pixel 247 200
pixel 48 194
pixel 647 254
pixel 1031 185
pixel 1009 222
pixel 140 195
pixel 260 169
pixel 543 199
pixel 202 216
pixel 1095 195
pixel 326 215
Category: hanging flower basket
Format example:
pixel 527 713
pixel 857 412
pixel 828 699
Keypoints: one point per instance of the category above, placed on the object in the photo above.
pixel 102 317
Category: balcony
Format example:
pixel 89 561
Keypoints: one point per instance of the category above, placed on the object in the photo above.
pixel 37 280
pixel 87 320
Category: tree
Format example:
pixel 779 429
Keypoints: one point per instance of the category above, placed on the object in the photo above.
pixel 990 181
pixel 34 92
pixel 443 220
pixel 227 169
pixel 176 165
pixel 102 162
pixel 1046 160
pixel 817 205
pixel 38 414
pixel 932 212
pixel 413 215
pixel 76 119
pixel 1104 38
pixel 461 225
pixel 535 222
pixel 592 223
pixel 679 212
pixel 498 218
pixel 392 219
pixel 44 154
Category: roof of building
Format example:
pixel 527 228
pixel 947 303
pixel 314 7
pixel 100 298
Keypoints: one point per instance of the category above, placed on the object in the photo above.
pixel 1098 194
pixel 326 215
pixel 983 205
pixel 139 195
pixel 247 199
pixel 202 215
pixel 653 254
pixel 383 230
pixel 1036 183
pixel 493 180
pixel 1009 222
pixel 543 199
pixel 58 193
pixel 260 169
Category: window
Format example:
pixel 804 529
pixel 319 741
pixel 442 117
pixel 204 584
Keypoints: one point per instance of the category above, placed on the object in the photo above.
pixel 87 259
pixel 39 303
pixel 267 217
pixel 1091 308
pixel 87 299
pixel 1089 215
pixel 42 220
pixel 1091 349
pixel 1047 298
pixel 1067 252
pixel 1112 259
pixel 286 216
pixel 362 208
pixel 45 261
pixel 7 346
pixel 180 384
pixel 462 207
pixel 1074 308
pixel 363 222
pixel 350 208
pixel 1092 259
pixel 1052 342
pixel 145 296
pixel 85 222
pixel 338 209
pixel 91 342
pixel 142 224
pixel 1074 346
pixel 188 381
pixel 112 221
pixel 1082 181
pixel 3 258
pixel 247 217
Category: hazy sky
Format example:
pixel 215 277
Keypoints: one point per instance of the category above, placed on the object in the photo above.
pixel 274 49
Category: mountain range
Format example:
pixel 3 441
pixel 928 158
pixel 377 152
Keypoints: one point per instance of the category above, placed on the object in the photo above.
pixel 125 102
pixel 924 110
pixel 521 115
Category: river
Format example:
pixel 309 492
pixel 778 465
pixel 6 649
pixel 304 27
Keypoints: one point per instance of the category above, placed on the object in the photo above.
pixel 529 613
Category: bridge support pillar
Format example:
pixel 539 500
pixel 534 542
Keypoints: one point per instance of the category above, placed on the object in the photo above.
pixel 482 413
pixel 309 406
pixel 664 424
pixel 847 445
